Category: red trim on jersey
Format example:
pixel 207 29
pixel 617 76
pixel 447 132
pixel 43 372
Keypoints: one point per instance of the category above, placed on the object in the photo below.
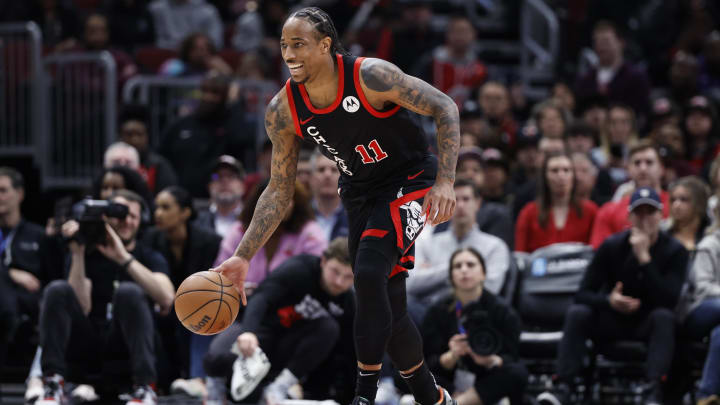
pixel 407 259
pixel 358 89
pixel 293 112
pixel 397 270
pixel 338 97
pixel 395 212
pixel 375 233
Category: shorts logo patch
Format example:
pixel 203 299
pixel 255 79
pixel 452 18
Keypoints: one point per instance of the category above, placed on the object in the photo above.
pixel 415 219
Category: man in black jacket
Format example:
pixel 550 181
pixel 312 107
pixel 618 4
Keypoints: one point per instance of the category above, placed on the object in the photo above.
pixel 20 278
pixel 296 316
pixel 629 291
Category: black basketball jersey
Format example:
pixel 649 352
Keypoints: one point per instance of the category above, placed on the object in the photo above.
pixel 369 146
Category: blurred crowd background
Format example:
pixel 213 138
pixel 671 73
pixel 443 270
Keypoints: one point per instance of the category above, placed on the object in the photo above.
pixel 566 107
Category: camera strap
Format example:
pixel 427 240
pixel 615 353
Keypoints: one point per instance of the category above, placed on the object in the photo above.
pixel 458 315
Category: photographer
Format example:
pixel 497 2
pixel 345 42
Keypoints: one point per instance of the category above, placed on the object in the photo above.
pixel 471 338
pixel 103 304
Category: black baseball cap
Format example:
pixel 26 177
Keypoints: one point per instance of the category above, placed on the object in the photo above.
pixel 645 196
pixel 229 162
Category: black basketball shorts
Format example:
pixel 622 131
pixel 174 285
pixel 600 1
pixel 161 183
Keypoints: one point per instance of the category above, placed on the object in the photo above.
pixel 389 220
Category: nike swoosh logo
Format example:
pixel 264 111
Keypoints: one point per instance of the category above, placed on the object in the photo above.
pixel 416 174
pixel 366 374
pixel 306 121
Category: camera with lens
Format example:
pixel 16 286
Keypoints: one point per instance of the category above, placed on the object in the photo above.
pixel 91 214
pixel 483 338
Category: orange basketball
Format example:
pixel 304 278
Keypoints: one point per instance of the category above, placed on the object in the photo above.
pixel 206 303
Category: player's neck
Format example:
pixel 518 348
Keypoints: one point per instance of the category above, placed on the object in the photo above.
pixel 325 84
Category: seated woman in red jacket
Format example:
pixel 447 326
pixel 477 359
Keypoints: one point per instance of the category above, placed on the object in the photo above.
pixel 557 215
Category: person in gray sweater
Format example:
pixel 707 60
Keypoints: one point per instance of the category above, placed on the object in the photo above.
pixel 700 311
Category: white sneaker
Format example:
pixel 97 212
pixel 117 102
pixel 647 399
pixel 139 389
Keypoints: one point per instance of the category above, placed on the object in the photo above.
pixel 84 393
pixel 193 388
pixel 34 390
pixel 387 393
pixel 247 374
pixel 141 395
pixel 53 393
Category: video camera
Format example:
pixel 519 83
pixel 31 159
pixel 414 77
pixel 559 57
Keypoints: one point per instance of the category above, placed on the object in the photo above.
pixel 483 338
pixel 90 215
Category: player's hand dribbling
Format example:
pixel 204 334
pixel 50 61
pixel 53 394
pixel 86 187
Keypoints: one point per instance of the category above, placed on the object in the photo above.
pixel 235 269
pixel 439 202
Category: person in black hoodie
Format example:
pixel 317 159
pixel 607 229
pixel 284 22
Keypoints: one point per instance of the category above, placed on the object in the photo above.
pixel 187 249
pixel 297 317
pixel 629 291
pixel 471 338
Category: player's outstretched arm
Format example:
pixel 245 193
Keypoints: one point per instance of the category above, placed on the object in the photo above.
pixel 274 200
pixel 384 82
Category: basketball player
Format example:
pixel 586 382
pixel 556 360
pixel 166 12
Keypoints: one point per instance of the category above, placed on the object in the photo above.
pixel 359 113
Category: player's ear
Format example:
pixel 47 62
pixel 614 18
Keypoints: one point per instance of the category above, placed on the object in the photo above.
pixel 326 44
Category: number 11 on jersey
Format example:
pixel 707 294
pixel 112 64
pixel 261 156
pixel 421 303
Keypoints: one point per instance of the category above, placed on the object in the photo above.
pixel 377 150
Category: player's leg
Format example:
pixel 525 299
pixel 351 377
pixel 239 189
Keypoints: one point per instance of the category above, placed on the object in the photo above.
pixel 405 346
pixel 373 317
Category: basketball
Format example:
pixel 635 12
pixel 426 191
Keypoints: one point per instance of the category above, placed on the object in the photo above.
pixel 206 303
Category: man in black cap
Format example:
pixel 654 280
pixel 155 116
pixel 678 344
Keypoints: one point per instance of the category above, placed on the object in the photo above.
pixel 629 291
pixel 226 190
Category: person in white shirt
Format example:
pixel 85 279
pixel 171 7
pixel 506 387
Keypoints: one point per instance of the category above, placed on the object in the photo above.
pixel 329 211
pixel 428 281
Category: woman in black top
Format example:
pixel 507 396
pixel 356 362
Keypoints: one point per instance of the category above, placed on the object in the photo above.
pixel 471 338
pixel 187 249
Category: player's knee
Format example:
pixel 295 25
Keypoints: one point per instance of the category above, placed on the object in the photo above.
pixel 367 279
pixel 370 272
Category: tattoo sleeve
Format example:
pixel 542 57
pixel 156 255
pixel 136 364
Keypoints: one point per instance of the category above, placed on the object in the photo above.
pixel 391 84
pixel 274 200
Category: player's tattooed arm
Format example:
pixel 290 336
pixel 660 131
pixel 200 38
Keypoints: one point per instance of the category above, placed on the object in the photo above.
pixel 384 82
pixel 275 199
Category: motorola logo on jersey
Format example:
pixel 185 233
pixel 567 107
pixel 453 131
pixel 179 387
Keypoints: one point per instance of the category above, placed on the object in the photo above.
pixel 351 104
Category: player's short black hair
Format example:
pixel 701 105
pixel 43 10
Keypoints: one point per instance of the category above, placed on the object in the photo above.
pixel 322 23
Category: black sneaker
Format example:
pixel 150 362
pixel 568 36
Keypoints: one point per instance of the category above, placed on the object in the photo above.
pixel 140 395
pixel 445 398
pixel 358 400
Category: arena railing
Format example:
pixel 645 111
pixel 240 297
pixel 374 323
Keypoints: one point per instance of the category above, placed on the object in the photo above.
pixel 540 37
pixel 20 88
pixel 80 108
pixel 169 98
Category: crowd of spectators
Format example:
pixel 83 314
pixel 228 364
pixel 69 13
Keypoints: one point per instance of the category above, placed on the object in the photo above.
pixel 622 155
